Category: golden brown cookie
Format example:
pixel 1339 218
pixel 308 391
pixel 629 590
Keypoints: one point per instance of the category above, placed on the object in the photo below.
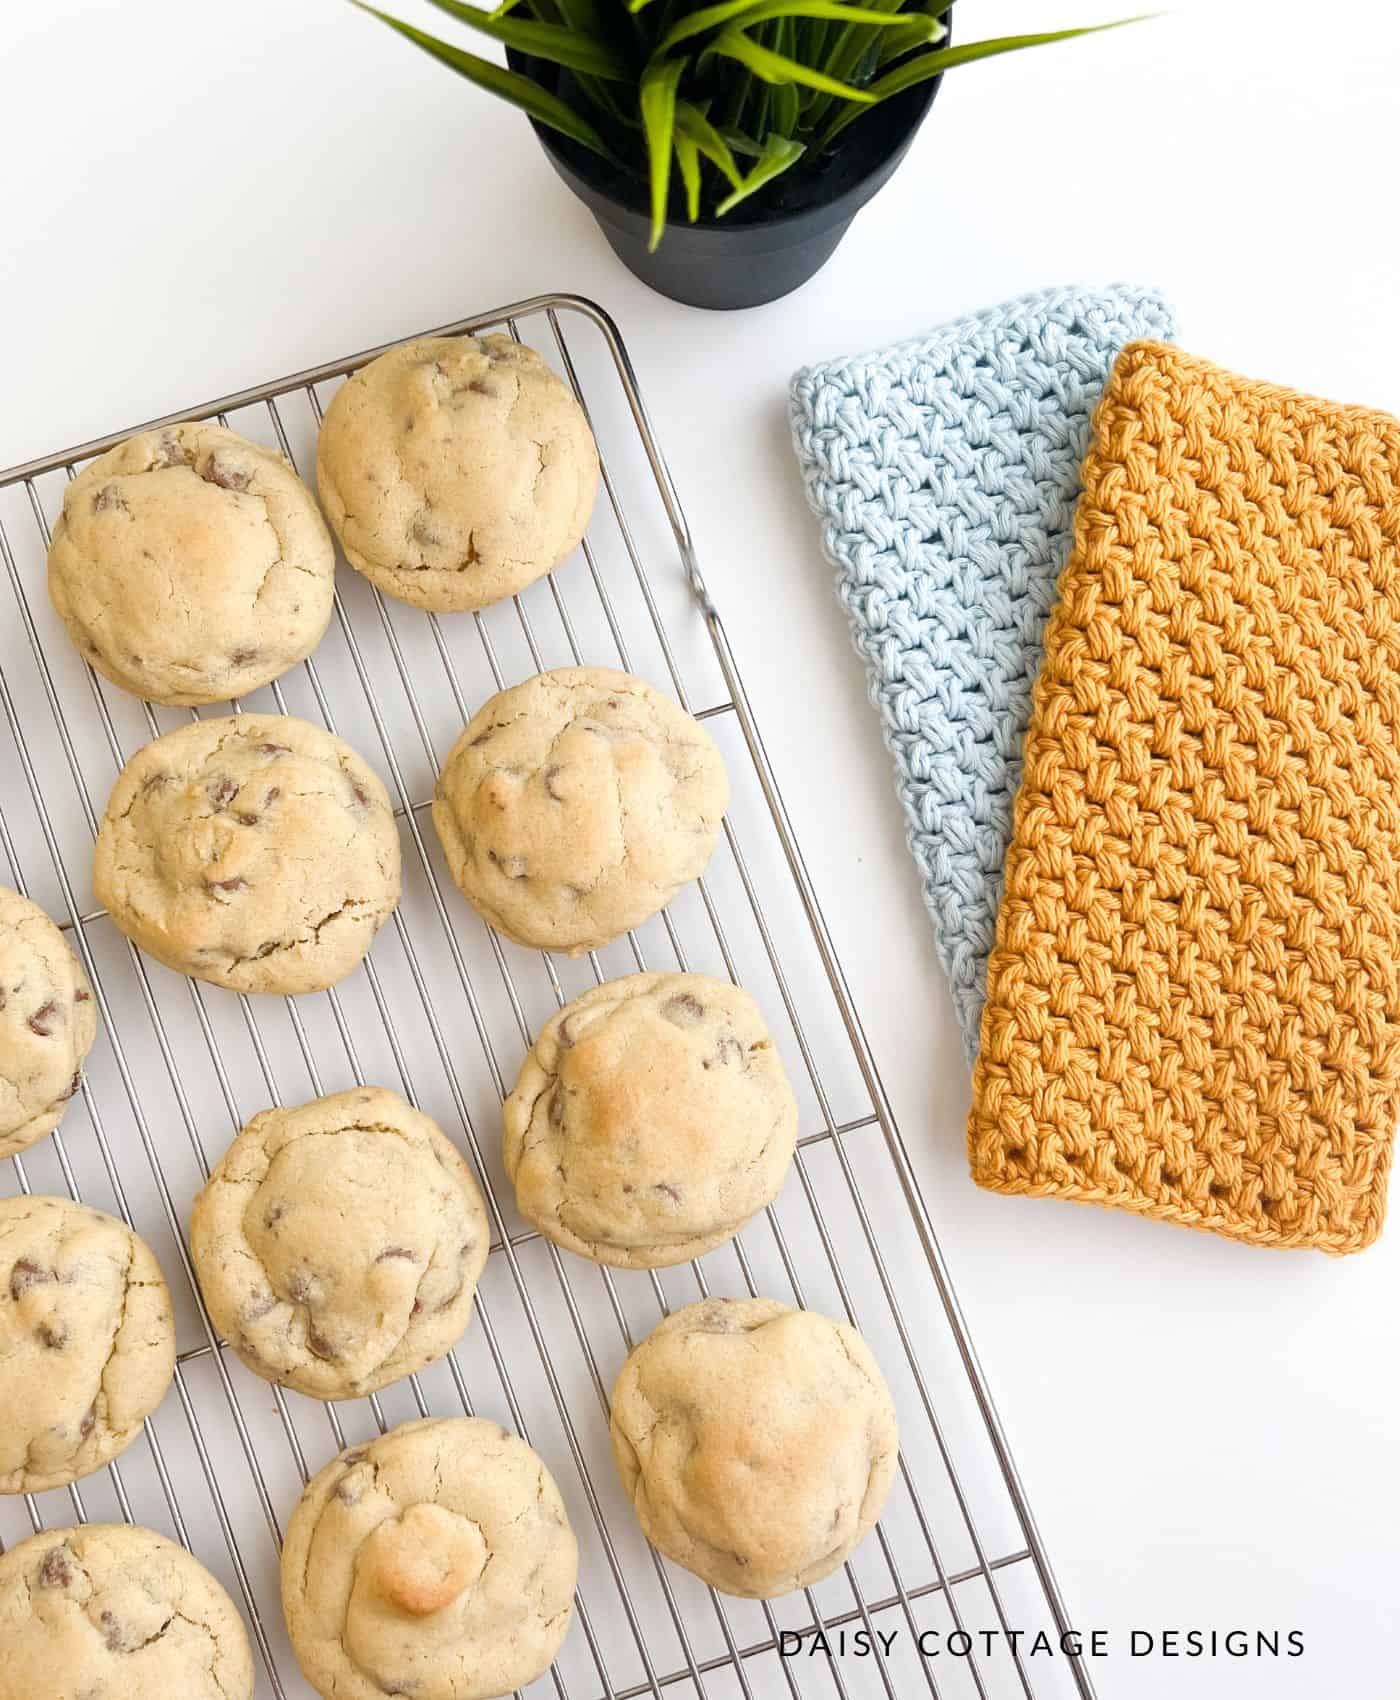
pixel 48 1021
pixel 756 1442
pixel 576 805
pixel 456 470
pixel 111 1611
pixel 436 1562
pixel 651 1120
pixel 338 1244
pixel 255 851
pixel 191 566
pixel 87 1341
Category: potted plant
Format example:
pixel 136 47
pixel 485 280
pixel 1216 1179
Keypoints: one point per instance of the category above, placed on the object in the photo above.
pixel 746 133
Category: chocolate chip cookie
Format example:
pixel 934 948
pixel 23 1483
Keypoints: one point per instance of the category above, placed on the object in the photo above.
pixel 456 470
pixel 651 1120
pixel 111 1611
pixel 436 1562
pixel 47 1023
pixel 338 1244
pixel 254 851
pixel 576 805
pixel 87 1341
pixel 756 1442
pixel 190 565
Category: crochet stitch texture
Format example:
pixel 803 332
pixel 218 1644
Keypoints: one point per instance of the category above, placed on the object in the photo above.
pixel 945 471
pixel 1194 1002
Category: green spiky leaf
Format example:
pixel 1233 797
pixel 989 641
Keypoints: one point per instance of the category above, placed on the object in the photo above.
pixel 688 162
pixel 694 123
pixel 556 43
pixel 657 97
pixel 779 153
pixel 945 58
pixel 778 68
pixel 745 14
pixel 523 92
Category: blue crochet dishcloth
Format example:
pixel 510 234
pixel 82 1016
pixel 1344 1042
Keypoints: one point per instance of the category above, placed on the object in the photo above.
pixel 946 470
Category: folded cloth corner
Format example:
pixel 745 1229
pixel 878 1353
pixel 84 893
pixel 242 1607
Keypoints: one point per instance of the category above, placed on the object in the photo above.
pixel 945 471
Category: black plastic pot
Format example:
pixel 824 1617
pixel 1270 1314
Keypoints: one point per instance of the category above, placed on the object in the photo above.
pixel 767 246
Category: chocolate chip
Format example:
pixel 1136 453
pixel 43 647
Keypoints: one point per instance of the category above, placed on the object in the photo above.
pixel 727 1052
pixel 243 657
pixel 477 387
pixel 26 1274
pixel 225 474
pixel 74 1084
pixel 556 1110
pixel 107 498
pixel 3 997
pixel 683 1010
pixel 80 996
pixel 56 1571
pixel 226 885
pixel 89 1418
pixel 54 1338
pixel 42 1020
pixel 155 782
pixel 273 749
pixel 318 1344
pixel 481 737
pixel 392 1251
pixel 358 792
pixel 673 1193
pixel 249 820
pixel 275 1213
pixel 221 790
pixel 112 1632
pixel 171 452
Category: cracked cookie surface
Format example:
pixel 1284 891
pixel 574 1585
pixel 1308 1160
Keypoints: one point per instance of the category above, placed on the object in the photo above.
pixel 651 1120
pixel 255 851
pixel 339 1244
pixel 756 1442
pixel 575 805
pixel 456 470
pixel 112 1611
pixel 191 565
pixel 437 1561
pixel 87 1341
pixel 48 1021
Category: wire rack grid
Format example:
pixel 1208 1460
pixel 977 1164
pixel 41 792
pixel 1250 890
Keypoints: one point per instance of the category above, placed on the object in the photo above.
pixel 443 1010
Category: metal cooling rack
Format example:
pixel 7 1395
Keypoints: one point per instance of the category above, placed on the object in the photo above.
pixel 443 1011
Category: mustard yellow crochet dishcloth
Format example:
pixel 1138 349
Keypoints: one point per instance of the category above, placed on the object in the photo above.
pixel 1193 1006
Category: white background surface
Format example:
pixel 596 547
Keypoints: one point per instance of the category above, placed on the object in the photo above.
pixel 199 197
